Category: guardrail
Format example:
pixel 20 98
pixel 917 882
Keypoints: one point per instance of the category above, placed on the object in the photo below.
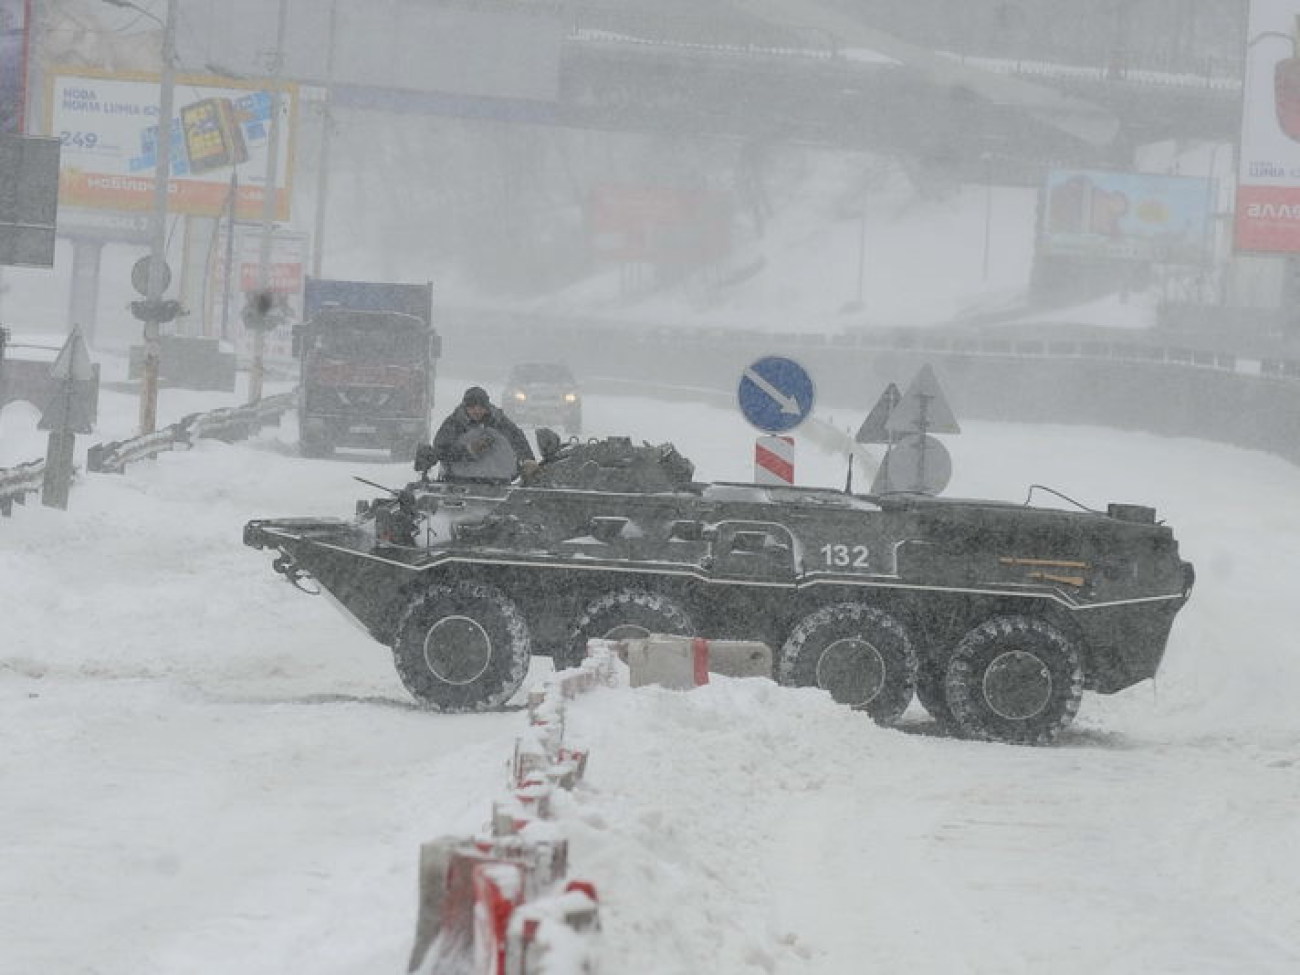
pixel 18 482
pixel 228 424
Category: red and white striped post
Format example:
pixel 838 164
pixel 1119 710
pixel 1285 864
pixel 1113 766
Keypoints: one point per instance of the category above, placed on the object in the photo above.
pixel 774 460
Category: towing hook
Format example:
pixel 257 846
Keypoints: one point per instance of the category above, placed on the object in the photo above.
pixel 296 577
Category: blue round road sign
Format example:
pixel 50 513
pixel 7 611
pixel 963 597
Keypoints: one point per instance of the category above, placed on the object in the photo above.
pixel 775 394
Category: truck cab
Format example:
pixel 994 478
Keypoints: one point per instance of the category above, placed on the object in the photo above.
pixel 366 381
pixel 367 352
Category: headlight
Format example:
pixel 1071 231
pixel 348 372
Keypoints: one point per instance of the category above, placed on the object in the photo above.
pixel 519 395
pixel 570 397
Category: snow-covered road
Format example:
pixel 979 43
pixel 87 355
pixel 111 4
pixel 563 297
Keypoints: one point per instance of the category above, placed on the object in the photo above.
pixel 206 771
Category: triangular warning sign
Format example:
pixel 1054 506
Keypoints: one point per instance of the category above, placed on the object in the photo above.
pixel 873 427
pixel 71 404
pixel 923 408
pixel 73 361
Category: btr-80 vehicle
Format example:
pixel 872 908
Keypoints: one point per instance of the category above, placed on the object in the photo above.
pixel 996 615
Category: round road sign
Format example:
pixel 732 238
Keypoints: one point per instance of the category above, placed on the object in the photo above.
pixel 140 276
pixel 775 394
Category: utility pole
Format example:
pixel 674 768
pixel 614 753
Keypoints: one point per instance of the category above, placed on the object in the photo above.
pixel 153 311
pixel 263 297
pixel 327 131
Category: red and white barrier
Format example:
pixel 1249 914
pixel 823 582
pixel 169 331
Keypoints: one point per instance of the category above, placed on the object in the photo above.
pixel 683 662
pixel 774 460
pixel 499 904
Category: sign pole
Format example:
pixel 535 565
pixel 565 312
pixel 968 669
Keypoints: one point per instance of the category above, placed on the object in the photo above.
pixel 268 207
pixel 158 228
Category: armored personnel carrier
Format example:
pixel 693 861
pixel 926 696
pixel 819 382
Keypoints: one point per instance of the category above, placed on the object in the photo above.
pixel 995 615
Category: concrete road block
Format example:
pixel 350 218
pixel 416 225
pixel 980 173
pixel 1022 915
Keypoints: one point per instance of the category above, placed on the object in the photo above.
pixel 683 662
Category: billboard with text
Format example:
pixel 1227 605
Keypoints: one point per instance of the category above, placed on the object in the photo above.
pixel 1111 215
pixel 220 133
pixel 1268 181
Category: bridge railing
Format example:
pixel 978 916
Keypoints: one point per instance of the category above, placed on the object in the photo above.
pixel 592 23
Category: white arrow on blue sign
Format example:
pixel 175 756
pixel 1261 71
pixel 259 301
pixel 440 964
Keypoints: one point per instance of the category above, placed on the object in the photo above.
pixel 775 394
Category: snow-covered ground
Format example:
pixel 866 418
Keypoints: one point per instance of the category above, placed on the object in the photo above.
pixel 206 771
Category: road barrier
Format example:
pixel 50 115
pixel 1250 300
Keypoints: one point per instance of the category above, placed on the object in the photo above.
pixel 500 903
pixel 227 424
pixel 18 482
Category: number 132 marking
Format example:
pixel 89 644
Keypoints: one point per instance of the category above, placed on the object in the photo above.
pixel 843 556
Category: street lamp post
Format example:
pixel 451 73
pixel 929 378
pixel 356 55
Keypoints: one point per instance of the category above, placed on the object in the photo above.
pixel 153 314
pixel 258 369
pixel 327 126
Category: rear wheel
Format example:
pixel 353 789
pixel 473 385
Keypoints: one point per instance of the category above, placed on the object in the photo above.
pixel 310 446
pixel 628 614
pixel 1015 679
pixel 860 654
pixel 462 648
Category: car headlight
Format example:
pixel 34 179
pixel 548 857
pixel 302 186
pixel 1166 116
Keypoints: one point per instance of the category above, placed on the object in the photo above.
pixel 570 397
pixel 520 395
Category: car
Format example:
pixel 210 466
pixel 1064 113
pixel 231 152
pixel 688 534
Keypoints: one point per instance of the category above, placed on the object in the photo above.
pixel 543 394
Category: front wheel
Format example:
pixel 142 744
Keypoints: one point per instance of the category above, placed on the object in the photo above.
pixel 860 654
pixel 628 614
pixel 1014 679
pixel 462 648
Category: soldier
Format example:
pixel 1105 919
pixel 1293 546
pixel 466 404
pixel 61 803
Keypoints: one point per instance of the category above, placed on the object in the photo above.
pixel 477 443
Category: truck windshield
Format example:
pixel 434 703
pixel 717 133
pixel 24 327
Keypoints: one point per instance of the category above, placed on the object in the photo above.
pixel 384 337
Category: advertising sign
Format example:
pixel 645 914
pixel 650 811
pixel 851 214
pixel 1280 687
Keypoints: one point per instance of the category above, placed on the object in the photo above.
pixel 659 224
pixel 1093 213
pixel 220 130
pixel 14 18
pixel 1268 182
pixel 230 288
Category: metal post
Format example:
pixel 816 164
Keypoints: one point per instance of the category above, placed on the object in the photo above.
pixel 158 228
pixel 323 173
pixel 862 252
pixel 230 253
pixel 988 210
pixel 268 202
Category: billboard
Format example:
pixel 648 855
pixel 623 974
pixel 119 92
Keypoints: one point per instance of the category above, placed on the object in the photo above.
pixel 220 134
pixel 15 15
pixel 1268 180
pixel 658 224
pixel 230 286
pixel 1092 213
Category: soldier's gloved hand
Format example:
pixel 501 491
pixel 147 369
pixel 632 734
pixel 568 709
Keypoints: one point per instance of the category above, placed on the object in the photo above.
pixel 425 457
pixel 479 446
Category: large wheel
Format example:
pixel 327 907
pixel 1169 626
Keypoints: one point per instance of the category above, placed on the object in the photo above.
pixel 860 654
pixel 310 446
pixel 628 614
pixel 1015 679
pixel 462 648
